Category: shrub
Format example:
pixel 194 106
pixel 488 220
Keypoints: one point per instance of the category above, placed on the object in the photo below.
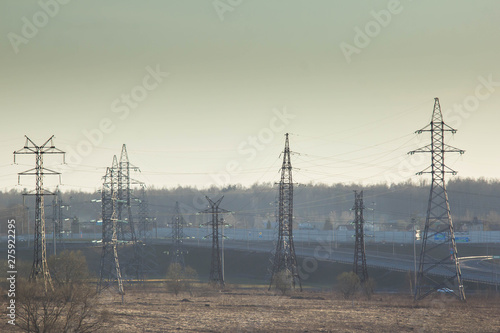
pixel 64 309
pixel 179 278
pixel 348 283
pixel 70 307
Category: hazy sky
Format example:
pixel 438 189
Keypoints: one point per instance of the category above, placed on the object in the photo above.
pixel 203 91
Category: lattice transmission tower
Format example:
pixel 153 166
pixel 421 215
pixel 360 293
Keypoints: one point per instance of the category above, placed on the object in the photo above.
pixel 178 236
pixel 216 277
pixel 39 268
pixel 126 227
pixel 58 218
pixel 149 264
pixel 359 266
pixel 144 224
pixel 110 272
pixel 439 266
pixel 284 260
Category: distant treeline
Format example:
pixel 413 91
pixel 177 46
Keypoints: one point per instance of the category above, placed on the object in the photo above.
pixel 324 206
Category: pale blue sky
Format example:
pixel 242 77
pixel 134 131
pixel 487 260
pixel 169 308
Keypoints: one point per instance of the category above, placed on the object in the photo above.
pixel 352 121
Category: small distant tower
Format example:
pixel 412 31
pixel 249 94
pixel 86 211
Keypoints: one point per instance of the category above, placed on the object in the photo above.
pixel 438 255
pixel 148 259
pixel 58 219
pixel 359 248
pixel 284 255
pixel 178 237
pixel 216 272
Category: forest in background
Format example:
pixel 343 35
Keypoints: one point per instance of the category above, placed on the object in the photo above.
pixel 390 207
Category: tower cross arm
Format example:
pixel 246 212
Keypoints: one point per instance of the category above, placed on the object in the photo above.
pixel 451 149
pixel 25 150
pixel 52 150
pixel 425 129
pixel 425 149
pixel 448 128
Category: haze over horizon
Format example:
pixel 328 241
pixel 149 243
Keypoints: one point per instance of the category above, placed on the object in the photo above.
pixel 203 95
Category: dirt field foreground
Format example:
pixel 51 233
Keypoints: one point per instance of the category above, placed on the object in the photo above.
pixel 256 310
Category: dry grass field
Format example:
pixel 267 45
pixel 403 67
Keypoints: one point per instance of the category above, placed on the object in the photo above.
pixel 257 310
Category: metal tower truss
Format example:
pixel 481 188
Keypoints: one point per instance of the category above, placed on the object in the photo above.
pixel 144 222
pixel 216 268
pixel 359 248
pixel 110 273
pixel 148 265
pixel 126 229
pixel 58 218
pixel 284 259
pixel 178 237
pixel 39 268
pixel 439 265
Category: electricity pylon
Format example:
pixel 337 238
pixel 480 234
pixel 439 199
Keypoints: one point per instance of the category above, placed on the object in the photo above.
pixel 126 228
pixel 40 268
pixel 216 269
pixel 359 266
pixel 110 272
pixel 144 221
pixel 439 265
pixel 284 260
pixel 57 219
pixel 178 250
pixel 148 259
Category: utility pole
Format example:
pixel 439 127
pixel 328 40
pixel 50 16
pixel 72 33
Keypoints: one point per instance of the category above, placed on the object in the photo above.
pixel 416 236
pixel 284 256
pixel 359 266
pixel 39 268
pixel 438 255
pixel 58 219
pixel 135 265
pixel 145 227
pixel 148 261
pixel 178 251
pixel 126 226
pixel 55 221
pixel 110 272
pixel 216 276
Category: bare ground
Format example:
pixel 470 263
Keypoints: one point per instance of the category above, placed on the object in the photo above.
pixel 256 310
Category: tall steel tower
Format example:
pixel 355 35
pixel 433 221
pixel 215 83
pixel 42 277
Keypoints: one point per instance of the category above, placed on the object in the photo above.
pixel 110 267
pixel 439 265
pixel 57 219
pixel 359 266
pixel 284 255
pixel 39 268
pixel 216 272
pixel 148 264
pixel 144 221
pixel 178 250
pixel 126 228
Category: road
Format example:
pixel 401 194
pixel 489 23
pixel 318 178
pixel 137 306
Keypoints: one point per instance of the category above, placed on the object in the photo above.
pixel 473 269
